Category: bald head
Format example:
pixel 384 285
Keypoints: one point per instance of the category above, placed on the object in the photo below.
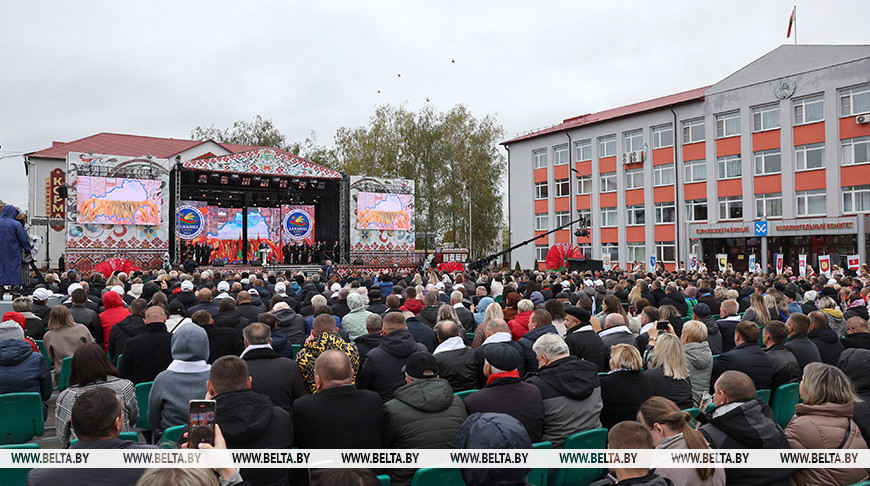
pixel 204 295
pixel 614 319
pixel 155 314
pixel 496 325
pixel 446 329
pixel 332 368
pixel 243 297
pixel 736 386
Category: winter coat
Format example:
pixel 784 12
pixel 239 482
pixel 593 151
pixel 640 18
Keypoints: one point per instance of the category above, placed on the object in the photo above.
pixel 684 476
pixel 322 421
pixel 509 395
pixel 22 370
pixel 249 311
pixel 275 376
pixel 184 380
pixel 132 325
pixel 519 325
pixel 147 354
pixel 713 335
pixel 422 333
pixel 748 426
pixel 310 351
pixel 232 319
pixel 63 343
pixel 784 367
pixel 480 353
pixel 690 305
pixel 748 358
pixel 291 324
pixel 678 391
pixel 413 305
pixel 571 392
pixel 857 308
pixel 856 340
pixel 354 322
pixel 678 300
pixel 727 327
pixel 466 319
pixel 584 343
pixel 803 349
pixel 528 340
pixel 836 321
pixel 493 431
pixel 711 301
pixel 187 299
pixel 828 343
pixel 616 335
pixel 115 312
pixel 429 315
pixel 206 306
pixel 856 364
pixel 222 341
pixel 90 318
pixel 366 343
pixel 699 361
pixel 13 239
pixel 382 371
pixel 825 426
pixel 622 393
pixel 458 367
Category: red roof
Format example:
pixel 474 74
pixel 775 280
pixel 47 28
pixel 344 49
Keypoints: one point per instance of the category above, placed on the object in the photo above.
pixel 589 119
pixel 128 145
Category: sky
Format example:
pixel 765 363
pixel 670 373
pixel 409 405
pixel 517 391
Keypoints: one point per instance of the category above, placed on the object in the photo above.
pixel 161 68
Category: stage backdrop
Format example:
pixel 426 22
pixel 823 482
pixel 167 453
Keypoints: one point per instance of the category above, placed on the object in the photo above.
pixel 381 221
pixel 116 207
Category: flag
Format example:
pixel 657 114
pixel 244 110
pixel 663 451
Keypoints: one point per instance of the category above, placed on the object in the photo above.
pixel 779 263
pixel 722 258
pixel 854 262
pixel 802 265
pixel 791 20
pixel 694 262
pixel 652 263
pixel 825 265
pixel 752 262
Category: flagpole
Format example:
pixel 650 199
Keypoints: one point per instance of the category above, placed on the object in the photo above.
pixel 795 25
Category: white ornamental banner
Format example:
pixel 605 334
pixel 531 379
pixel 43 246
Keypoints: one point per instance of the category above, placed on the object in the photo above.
pixel 752 262
pixel 825 265
pixel 722 259
pixel 802 265
pixel 779 263
pixel 854 262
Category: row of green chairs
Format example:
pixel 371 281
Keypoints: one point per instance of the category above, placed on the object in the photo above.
pixel 16 476
pixel 41 345
pixel 22 417
pixel 782 402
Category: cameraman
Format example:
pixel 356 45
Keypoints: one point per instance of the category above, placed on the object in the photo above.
pixel 13 240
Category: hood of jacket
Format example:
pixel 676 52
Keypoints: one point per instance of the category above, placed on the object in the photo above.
pixel 14 351
pixel 427 394
pixel 572 377
pixel 698 354
pixel 243 415
pixel 855 362
pixel 399 343
pixel 749 425
pixel 111 300
pixel 284 317
pixel 190 343
pixel 835 313
pixel 827 409
pixel 372 340
pixel 676 296
pixel 828 336
pixel 9 212
pixel 712 327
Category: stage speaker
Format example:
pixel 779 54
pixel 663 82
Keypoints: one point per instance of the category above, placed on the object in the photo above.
pixel 584 264
pixel 359 262
pixel 256 263
pixel 217 263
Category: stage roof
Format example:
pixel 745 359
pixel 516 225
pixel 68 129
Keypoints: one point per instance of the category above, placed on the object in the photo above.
pixel 263 161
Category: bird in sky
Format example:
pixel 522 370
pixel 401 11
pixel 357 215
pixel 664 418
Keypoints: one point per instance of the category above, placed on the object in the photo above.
pixel 453 60
pixel 400 75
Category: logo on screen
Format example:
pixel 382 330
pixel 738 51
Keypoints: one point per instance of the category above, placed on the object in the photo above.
pixel 297 224
pixel 190 222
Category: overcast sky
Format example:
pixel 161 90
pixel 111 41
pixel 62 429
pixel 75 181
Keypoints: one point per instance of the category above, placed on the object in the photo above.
pixel 161 68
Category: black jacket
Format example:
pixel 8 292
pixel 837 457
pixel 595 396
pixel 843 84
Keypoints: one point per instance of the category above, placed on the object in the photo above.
pixel 587 345
pixel 858 310
pixel 856 364
pixel 727 327
pixel 678 391
pixel 856 340
pixel 275 376
pixel 249 311
pixel 340 308
pixel 83 315
pixel 804 350
pixel 206 306
pixel 382 372
pixel 232 319
pixel 622 393
pixel 22 370
pixel 479 354
pixel 366 343
pixel 828 343
pixel 422 333
pixel 147 354
pixel 714 338
pixel 785 368
pixel 749 426
pixel 222 341
pixel 248 420
pixel 459 367
pixel 466 318
pixel 322 421
pixel 429 315
pixel 378 308
pixel 121 332
pixel 711 301
pixel 291 325
pixel 528 340
pixel 678 300
pixel 187 299
pixel 748 358
pixel 516 398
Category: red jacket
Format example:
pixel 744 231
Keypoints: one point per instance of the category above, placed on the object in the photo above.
pixel 413 305
pixel 115 312
pixel 519 325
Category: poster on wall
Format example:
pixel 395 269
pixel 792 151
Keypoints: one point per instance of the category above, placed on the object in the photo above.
pixel 854 262
pixel 297 224
pixel 779 262
pixel 752 262
pixel 191 221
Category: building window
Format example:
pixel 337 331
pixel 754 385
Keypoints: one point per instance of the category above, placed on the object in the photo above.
pixel 636 215
pixel 665 212
pixel 540 158
pixel 583 150
pixel 542 222
pixel 608 182
pixel 561 155
pixel 611 249
pixel 585 214
pixel 632 141
pixel 855 101
pixel 855 150
pixel 666 252
pixel 730 208
pixel 607 146
pixel 584 185
pixel 767 162
pixel 811 203
pixel 696 170
pixel 637 252
pixel 730 167
pixel 585 249
pixel 634 179
pixel 768 205
pixel 663 136
pixel 856 199
pixel 663 175
pixel 810 156
pixel 563 187
pixel 696 210
pixel 608 217
pixel 765 117
pixel 562 218
pixel 541 252
pixel 809 110
pixel 728 124
pixel 542 190
pixel 693 131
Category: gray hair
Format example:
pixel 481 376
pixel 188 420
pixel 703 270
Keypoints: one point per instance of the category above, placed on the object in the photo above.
pixel 257 333
pixel 551 345
pixel 456 296
pixel 613 319
pixel 525 305
pixel 317 301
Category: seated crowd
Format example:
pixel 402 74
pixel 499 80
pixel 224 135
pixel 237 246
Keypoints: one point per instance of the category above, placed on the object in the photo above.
pixel 368 361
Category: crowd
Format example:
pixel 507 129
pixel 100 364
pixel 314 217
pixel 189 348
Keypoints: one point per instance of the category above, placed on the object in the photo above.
pixel 379 359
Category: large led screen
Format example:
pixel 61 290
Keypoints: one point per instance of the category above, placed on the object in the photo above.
pixel 111 200
pixel 383 211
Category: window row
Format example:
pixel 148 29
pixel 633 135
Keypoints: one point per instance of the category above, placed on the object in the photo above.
pixel 665 252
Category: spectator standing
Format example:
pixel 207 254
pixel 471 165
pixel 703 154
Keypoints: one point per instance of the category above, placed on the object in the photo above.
pixel 799 343
pixel 422 333
pixel 457 362
pixel 289 323
pixel 728 323
pixel 182 381
pixel 115 312
pixel 701 312
pixel 222 341
pixel 582 340
pixel 324 336
pixel 747 356
pixel 204 300
pixel 784 366
pixel 367 342
pixel 825 338
pixel 63 338
pixel 354 322
pixel 429 314
pixel 616 332
pixel 228 317
pixel 130 326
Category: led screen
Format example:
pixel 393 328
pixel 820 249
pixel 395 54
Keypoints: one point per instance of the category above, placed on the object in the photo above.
pixel 111 200
pixel 383 211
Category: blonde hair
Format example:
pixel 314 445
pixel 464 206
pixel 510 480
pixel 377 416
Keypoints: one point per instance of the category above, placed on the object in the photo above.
pixel 695 331
pixel 823 383
pixel 525 305
pixel 762 315
pixel 626 356
pixel 670 356
pixel 59 318
pixel 447 313
pixel 493 311
pixel 634 295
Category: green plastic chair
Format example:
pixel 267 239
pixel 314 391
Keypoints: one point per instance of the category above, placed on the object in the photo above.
pixel 538 476
pixel 132 436
pixel 384 479
pixel 602 373
pixel 464 393
pixel 16 476
pixel 433 476
pixel 296 348
pixel 784 401
pixel 764 395
pixel 65 370
pixel 142 392
pixel 118 361
pixel 41 346
pixel 715 358
pixel 862 483
pixel 498 298
pixel 22 417
pixel 693 412
pixel 469 336
pixel 590 439
pixel 171 436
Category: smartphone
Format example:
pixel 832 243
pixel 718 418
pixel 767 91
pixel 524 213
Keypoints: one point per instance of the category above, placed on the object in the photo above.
pixel 705 401
pixel 631 310
pixel 662 325
pixel 200 422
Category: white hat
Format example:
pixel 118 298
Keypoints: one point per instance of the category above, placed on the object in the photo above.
pixel 42 294
pixel 72 288
pixel 439 285
pixel 280 287
pixel 187 285
pixel 11 330
pixel 335 287
pixel 118 290
pixel 223 286
pixel 253 292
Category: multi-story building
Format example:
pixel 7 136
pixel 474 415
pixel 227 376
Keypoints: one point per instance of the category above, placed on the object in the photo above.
pixel 774 158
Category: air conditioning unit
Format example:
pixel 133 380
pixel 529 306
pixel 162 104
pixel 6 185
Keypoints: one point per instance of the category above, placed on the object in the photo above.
pixel 862 119
pixel 633 157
